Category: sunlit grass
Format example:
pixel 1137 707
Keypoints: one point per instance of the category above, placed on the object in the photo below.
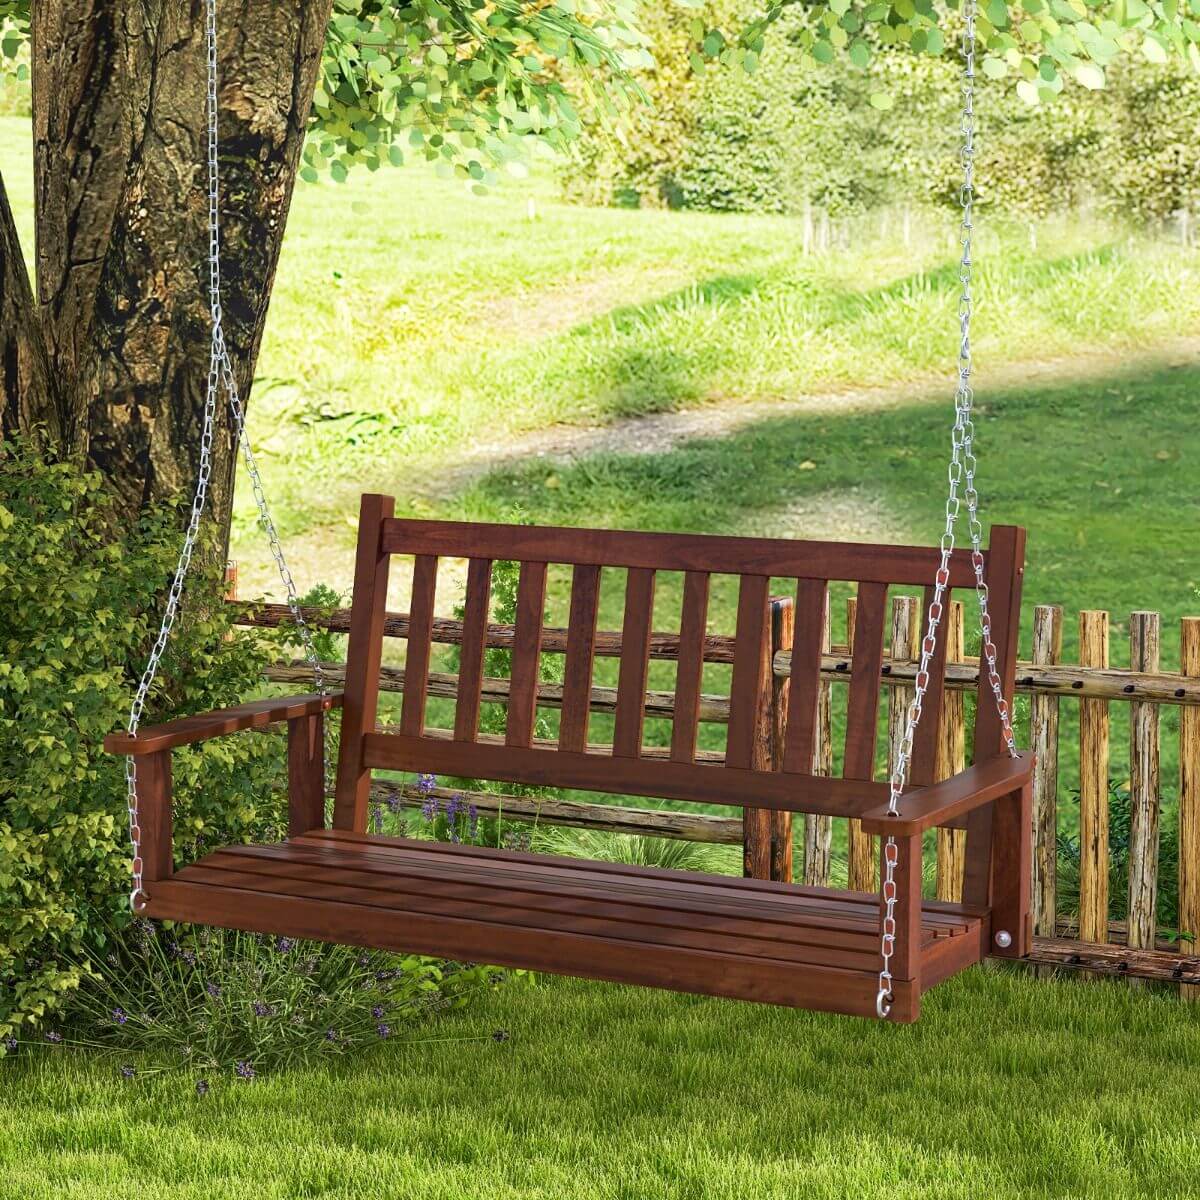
pixel 1008 1088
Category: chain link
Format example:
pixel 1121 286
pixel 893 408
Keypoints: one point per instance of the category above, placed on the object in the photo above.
pixel 961 475
pixel 220 375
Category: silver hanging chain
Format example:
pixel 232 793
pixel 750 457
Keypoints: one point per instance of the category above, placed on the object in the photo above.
pixel 220 374
pixel 961 475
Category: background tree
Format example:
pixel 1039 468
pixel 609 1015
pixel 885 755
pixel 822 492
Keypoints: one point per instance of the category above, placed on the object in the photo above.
pixel 103 344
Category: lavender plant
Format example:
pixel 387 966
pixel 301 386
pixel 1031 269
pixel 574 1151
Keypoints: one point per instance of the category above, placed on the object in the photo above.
pixel 213 1001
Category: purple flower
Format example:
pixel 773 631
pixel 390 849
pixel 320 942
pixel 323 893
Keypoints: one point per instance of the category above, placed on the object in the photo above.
pixel 10 1044
pixel 120 1016
pixel 201 1087
pixel 189 957
pixel 263 1010
pixel 453 808
pixel 377 1011
pixel 214 990
pixel 500 1035
pixel 127 1072
pixel 283 945
pixel 331 1035
pixel 429 808
pixel 383 1030
pixel 54 1037
pixel 426 783
pixel 364 960
pixel 472 822
pixel 244 1069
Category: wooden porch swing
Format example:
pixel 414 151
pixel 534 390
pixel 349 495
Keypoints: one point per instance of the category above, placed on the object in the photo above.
pixel 845 952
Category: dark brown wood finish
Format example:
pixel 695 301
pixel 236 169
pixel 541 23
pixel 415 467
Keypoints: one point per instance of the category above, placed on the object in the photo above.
pixel 363 657
pixel 689 673
pixel 526 654
pixel 155 825
pixel 474 646
pixel 929 731
pixel 783 558
pixel 750 670
pixel 546 766
pixel 581 651
pixel 750 939
pixel 420 629
pixel 1005 571
pixel 306 774
pixel 862 714
pixel 635 663
pixel 257 714
pixel 805 678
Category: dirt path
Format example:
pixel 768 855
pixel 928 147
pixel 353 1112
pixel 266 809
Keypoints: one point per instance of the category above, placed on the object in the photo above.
pixel 325 553
pixel 662 432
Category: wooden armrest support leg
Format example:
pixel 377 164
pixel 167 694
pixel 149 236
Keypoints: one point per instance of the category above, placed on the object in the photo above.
pixel 1012 821
pixel 153 775
pixel 906 958
pixel 306 773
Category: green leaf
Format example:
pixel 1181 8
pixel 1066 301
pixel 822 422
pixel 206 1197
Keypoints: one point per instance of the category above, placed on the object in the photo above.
pixel 860 53
pixel 1090 76
pixel 1154 50
pixel 882 101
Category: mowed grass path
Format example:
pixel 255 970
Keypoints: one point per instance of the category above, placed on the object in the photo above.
pixel 1008 1088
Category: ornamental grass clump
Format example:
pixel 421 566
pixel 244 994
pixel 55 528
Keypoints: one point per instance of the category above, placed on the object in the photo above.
pixel 216 1002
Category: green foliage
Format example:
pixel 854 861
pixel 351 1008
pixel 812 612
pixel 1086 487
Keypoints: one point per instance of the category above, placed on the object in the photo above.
pixel 668 854
pixel 1120 823
pixel 1039 44
pixel 213 1000
pixel 78 598
pixel 788 136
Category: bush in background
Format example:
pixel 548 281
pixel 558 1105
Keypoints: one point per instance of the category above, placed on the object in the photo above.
pixel 795 135
pixel 79 601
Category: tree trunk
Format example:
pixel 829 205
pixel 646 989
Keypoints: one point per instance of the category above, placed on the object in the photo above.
pixel 111 355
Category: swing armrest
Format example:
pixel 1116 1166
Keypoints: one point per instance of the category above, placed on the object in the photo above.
pixel 940 803
pixel 184 731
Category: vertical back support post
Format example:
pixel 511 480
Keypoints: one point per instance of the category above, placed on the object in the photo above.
pixel 363 657
pixel 1004 573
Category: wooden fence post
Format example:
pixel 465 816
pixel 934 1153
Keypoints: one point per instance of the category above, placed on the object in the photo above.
pixel 1043 730
pixel 1093 786
pixel 767 833
pixel 862 867
pixel 1144 798
pixel 951 759
pixel 818 828
pixel 1189 800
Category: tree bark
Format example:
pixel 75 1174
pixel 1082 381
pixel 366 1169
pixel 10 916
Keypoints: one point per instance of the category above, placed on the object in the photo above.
pixel 121 305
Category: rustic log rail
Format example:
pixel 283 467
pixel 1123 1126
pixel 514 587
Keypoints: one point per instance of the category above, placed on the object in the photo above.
pixel 1135 948
pixel 1062 679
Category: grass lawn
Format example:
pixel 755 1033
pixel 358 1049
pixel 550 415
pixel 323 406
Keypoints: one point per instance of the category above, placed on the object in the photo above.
pixel 411 325
pixel 1008 1087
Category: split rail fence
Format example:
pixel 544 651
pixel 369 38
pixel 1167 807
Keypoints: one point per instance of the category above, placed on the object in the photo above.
pixel 1136 947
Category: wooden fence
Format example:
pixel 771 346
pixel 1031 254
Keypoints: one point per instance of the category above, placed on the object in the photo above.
pixel 1136 947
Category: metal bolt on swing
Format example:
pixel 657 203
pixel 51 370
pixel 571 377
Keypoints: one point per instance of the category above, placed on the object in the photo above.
pixel 961 474
pixel 220 376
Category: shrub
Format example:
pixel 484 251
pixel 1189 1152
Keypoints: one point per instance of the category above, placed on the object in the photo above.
pixel 79 600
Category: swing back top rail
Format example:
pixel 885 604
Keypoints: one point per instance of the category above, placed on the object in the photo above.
pixel 750 939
